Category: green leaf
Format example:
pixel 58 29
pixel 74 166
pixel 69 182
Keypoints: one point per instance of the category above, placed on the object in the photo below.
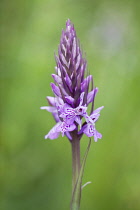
pixel 76 196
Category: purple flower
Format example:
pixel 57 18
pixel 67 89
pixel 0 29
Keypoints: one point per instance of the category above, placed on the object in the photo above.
pixel 73 91
pixel 89 128
pixel 70 114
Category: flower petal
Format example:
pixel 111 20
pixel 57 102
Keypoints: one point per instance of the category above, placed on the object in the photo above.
pixel 91 95
pixel 57 79
pixel 82 129
pixel 81 98
pixel 55 89
pixel 63 127
pixel 78 120
pixel 85 83
pixel 97 136
pixel 89 130
pixel 49 108
pixel 68 81
pixel 81 110
pixel 69 99
pixel 51 100
pixel 53 133
pixel 68 135
pixel 56 117
pixel 96 111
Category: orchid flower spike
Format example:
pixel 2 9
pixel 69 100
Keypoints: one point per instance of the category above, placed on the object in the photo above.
pixel 73 91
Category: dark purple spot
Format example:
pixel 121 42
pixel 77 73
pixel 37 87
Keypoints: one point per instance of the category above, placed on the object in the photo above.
pixel 80 110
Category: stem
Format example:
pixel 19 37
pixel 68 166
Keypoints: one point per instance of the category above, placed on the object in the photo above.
pixel 76 195
pixel 75 143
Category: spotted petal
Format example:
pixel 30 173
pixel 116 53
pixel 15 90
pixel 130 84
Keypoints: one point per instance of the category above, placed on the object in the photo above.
pixel 64 127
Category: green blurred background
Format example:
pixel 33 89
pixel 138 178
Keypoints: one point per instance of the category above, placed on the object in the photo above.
pixel 36 173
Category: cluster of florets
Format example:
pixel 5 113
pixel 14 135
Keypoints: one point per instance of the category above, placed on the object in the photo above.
pixel 71 91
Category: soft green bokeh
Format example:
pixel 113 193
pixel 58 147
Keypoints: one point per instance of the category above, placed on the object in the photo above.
pixel 36 173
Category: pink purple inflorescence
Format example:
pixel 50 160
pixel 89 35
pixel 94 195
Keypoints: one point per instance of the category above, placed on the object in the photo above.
pixel 73 91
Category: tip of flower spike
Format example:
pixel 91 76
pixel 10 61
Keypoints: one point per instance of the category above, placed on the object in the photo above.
pixel 68 22
pixel 69 26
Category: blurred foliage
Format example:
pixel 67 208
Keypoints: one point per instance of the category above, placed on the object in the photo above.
pixel 36 173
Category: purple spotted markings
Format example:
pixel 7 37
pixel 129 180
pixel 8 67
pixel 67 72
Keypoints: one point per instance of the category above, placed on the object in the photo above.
pixel 73 92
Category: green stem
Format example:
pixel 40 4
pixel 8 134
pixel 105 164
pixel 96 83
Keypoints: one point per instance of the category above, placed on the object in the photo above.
pixel 76 195
pixel 75 143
